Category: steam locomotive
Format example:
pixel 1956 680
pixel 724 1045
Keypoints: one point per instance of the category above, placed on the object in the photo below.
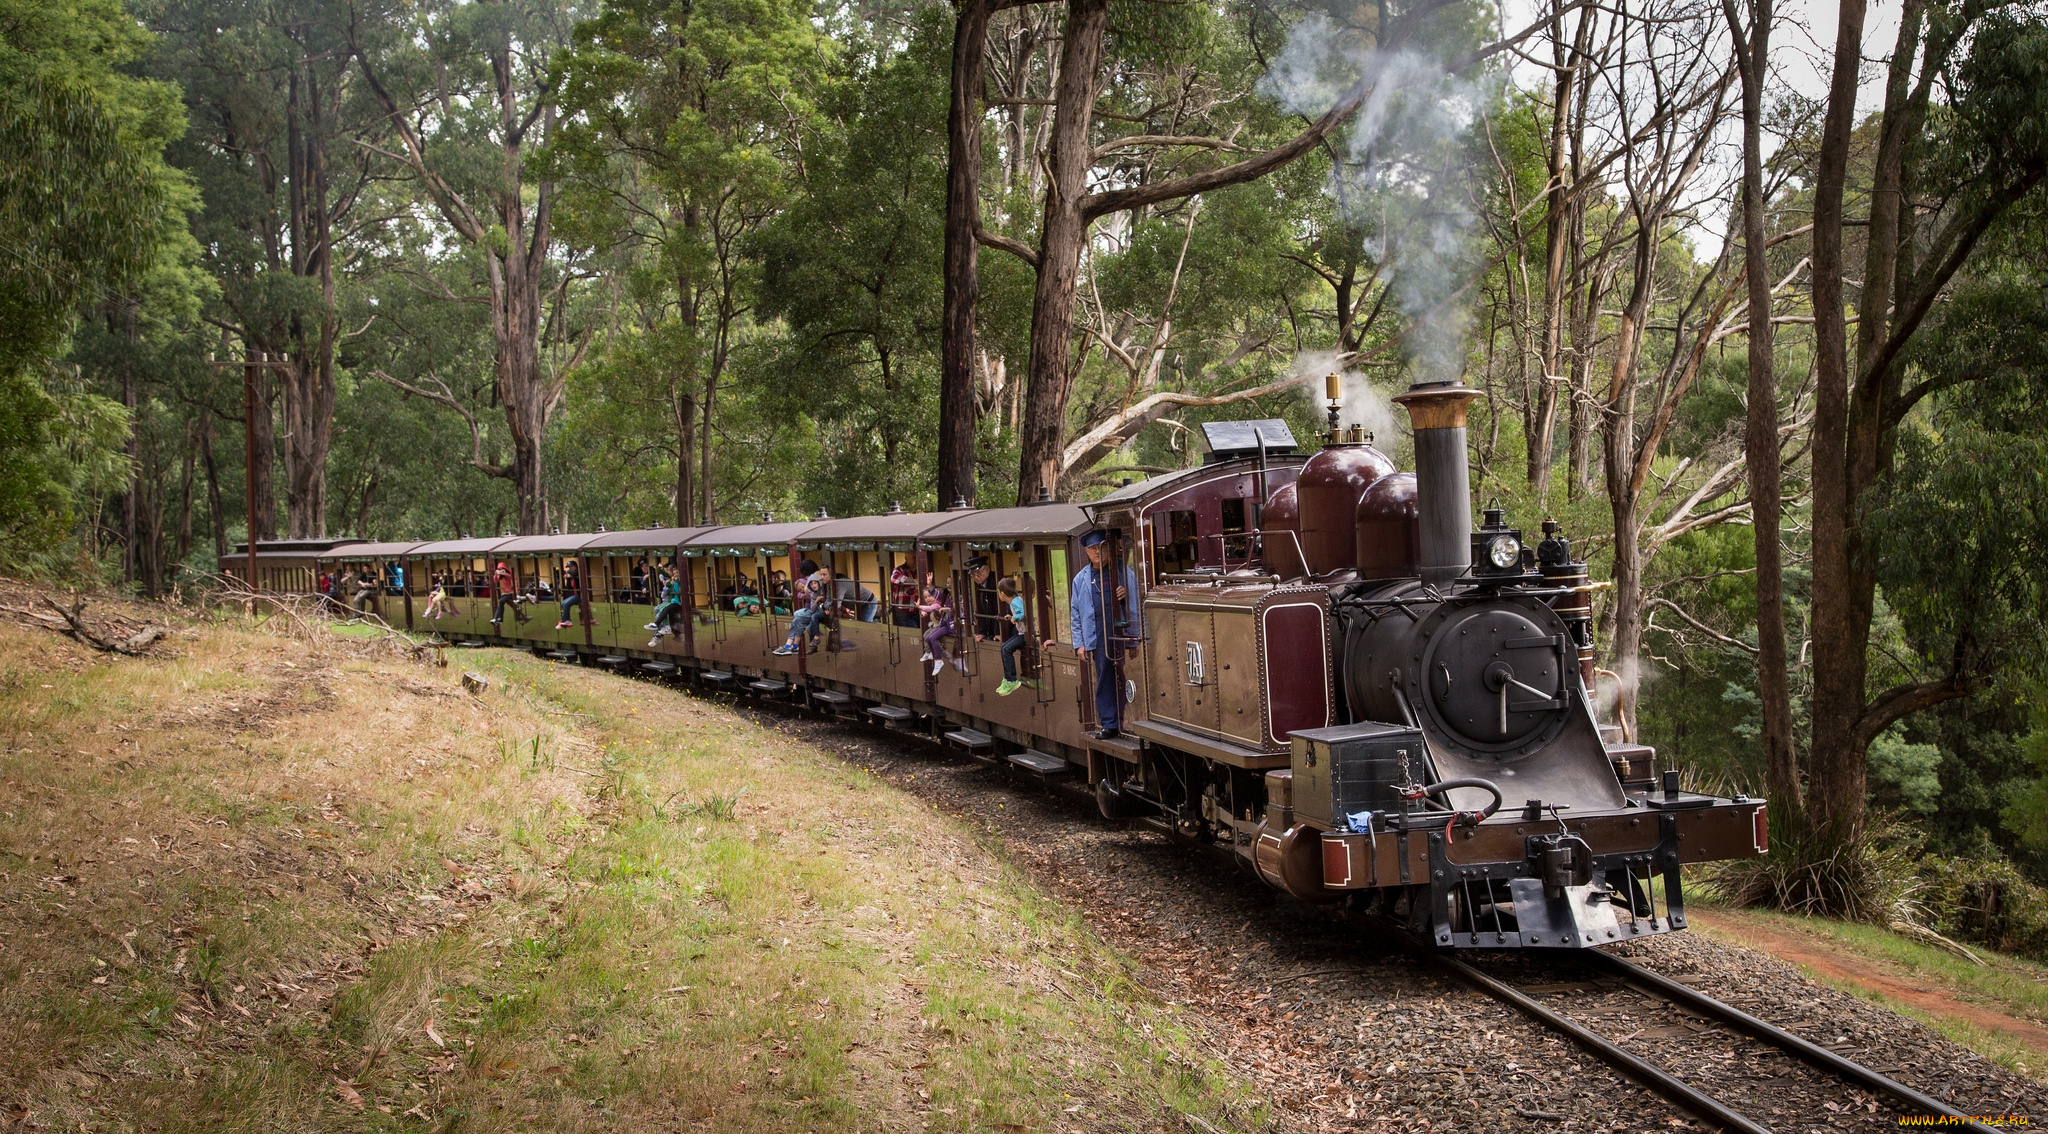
pixel 1326 668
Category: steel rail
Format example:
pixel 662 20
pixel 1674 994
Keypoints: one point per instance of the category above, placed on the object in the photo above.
pixel 1656 1079
pixel 1795 1045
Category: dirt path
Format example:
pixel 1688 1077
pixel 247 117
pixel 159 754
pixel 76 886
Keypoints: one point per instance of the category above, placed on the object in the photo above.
pixel 1843 967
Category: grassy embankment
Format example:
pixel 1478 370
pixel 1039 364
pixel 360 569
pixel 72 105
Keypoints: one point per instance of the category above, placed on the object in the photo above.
pixel 1998 1009
pixel 261 883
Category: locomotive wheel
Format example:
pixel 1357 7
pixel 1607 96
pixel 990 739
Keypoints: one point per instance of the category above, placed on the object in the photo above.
pixel 1111 800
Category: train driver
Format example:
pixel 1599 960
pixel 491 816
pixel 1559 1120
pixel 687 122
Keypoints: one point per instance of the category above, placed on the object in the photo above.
pixel 1092 631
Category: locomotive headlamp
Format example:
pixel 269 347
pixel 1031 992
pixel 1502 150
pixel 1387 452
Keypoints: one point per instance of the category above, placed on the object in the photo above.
pixel 1504 552
pixel 1496 547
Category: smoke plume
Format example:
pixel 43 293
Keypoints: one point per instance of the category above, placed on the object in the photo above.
pixel 1402 182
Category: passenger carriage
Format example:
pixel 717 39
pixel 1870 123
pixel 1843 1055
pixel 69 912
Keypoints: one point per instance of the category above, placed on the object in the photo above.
pixel 618 569
pixel 283 566
pixel 391 598
pixel 465 566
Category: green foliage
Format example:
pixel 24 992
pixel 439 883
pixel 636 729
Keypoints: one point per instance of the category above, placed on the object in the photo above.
pixel 1984 899
pixel 851 269
pixel 2026 813
pixel 1905 773
pixel 84 203
pixel 33 506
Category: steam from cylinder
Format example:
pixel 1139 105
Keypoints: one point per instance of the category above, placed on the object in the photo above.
pixel 1443 477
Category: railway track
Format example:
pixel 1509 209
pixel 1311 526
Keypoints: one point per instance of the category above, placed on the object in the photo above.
pixel 1667 1010
pixel 1688 1001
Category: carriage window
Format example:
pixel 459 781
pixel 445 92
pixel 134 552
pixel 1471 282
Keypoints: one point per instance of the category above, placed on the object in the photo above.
pixel 1061 580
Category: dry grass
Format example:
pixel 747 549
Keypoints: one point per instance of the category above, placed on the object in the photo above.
pixel 261 883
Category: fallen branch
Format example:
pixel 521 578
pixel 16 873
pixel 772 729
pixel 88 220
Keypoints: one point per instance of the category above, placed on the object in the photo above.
pixel 132 646
pixel 1928 936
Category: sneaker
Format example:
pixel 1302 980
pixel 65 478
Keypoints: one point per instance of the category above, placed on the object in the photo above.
pixel 653 626
pixel 653 642
pixel 1007 688
pixel 960 664
pixel 783 651
pixel 925 656
pixel 937 666
pixel 561 625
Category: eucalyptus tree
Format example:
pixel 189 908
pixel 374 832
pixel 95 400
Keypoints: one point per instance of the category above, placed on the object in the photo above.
pixel 468 93
pixel 684 126
pixel 1145 152
pixel 1961 138
pixel 279 146
pixel 1749 28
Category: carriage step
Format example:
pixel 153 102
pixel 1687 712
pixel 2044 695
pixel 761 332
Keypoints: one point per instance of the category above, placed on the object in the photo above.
pixel 1039 762
pixel 718 678
pixel 472 644
pixel 841 704
pixel 658 668
pixel 769 687
pixel 970 739
pixel 890 714
pixel 562 655
pixel 613 662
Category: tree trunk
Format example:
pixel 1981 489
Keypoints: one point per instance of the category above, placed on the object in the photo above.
pixel 1618 460
pixel 1760 422
pixel 962 285
pixel 216 520
pixel 308 385
pixel 516 314
pixel 1835 799
pixel 708 503
pixel 131 558
pixel 1557 230
pixel 1061 239
pixel 189 467
pixel 262 511
pixel 686 457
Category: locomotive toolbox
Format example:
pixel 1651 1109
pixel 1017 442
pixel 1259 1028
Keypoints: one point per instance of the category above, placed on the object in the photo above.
pixel 1352 770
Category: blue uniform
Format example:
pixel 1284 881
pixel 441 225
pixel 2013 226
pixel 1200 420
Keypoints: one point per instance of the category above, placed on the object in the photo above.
pixel 1086 623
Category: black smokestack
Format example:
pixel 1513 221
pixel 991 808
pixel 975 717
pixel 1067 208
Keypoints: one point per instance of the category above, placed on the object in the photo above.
pixel 1443 478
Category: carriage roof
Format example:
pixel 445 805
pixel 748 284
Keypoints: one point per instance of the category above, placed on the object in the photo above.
pixel 349 552
pixel 473 545
pixel 1029 521
pixel 755 535
pixel 560 541
pixel 667 539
